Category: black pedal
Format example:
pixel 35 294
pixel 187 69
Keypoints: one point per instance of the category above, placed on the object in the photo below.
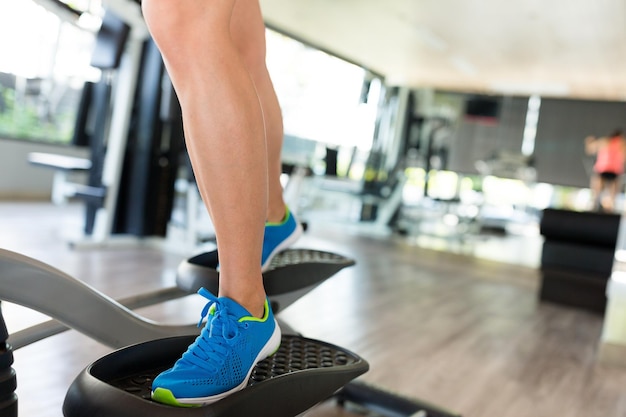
pixel 290 270
pixel 301 374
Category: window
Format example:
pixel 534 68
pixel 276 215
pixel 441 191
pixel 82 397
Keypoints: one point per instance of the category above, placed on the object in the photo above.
pixel 42 70
pixel 320 94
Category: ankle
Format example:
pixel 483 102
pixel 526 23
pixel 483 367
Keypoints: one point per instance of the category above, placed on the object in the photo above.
pixel 276 214
pixel 253 302
pixel 255 308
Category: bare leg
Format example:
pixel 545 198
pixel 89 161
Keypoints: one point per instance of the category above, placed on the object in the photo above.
pixel 613 188
pixel 248 32
pixel 224 129
pixel 596 191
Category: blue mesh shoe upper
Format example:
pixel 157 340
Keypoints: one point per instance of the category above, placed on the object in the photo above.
pixel 220 360
pixel 278 237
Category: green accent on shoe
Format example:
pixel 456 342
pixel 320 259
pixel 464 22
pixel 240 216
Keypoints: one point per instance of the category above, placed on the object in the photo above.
pixel 266 314
pixel 278 237
pixel 283 221
pixel 165 396
pixel 221 359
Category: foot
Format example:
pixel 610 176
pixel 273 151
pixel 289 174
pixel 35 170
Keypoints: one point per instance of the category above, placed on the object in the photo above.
pixel 222 357
pixel 278 237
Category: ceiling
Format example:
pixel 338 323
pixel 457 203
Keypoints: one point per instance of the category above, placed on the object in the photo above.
pixel 563 48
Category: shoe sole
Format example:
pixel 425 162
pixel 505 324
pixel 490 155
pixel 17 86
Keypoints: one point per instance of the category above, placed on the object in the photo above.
pixel 165 396
pixel 282 246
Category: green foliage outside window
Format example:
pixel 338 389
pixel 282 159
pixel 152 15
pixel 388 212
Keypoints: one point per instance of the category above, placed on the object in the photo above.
pixel 25 121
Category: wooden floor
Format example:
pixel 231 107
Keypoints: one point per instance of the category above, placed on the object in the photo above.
pixel 464 333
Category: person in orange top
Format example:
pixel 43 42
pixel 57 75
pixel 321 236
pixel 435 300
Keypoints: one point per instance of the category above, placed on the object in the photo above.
pixel 610 154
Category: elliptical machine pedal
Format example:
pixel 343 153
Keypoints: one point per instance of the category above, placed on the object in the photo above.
pixel 299 375
pixel 292 273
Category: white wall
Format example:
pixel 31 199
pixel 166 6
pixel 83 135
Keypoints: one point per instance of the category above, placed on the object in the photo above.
pixel 19 179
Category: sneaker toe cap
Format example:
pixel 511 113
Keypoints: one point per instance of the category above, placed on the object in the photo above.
pixel 183 385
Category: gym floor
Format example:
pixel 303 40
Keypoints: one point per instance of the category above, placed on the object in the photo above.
pixel 462 332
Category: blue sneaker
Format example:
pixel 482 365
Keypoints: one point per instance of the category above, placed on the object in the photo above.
pixel 222 357
pixel 278 237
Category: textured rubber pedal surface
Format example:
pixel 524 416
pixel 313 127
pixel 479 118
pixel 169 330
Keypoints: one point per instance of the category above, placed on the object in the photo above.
pixel 292 257
pixel 295 354
pixel 298 354
pixel 304 371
